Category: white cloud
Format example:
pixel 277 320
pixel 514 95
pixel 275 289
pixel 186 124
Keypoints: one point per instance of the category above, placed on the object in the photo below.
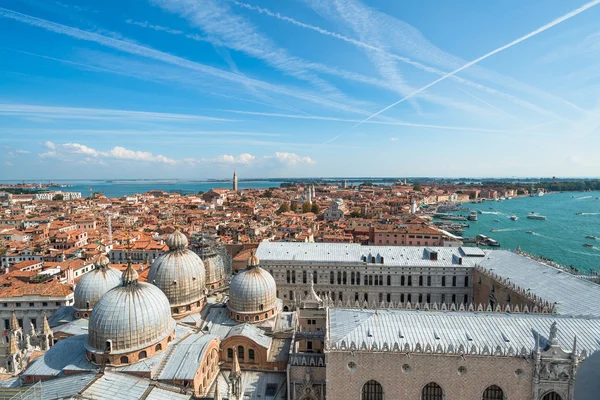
pixel 244 158
pixel 63 151
pixel 22 152
pixel 290 159
pixel 393 139
pixel 8 163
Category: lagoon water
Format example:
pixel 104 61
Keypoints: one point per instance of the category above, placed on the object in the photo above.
pixel 560 237
pixel 120 188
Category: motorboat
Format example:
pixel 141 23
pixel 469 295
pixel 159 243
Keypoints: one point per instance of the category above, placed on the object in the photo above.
pixel 588 245
pixel 496 220
pixel 591 237
pixel 514 217
pixel 536 216
pixel 578 213
pixel 530 232
pixel 479 212
pixel 493 230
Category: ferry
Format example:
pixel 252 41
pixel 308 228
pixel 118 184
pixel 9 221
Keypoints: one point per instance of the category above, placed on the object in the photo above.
pixel 514 217
pixel 536 216
pixel 588 245
pixel 472 216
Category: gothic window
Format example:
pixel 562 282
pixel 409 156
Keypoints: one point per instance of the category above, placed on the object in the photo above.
pixel 410 280
pixel 370 280
pixel 372 390
pixel 552 396
pixel 303 276
pixel 358 278
pixel 443 298
pixel 402 280
pixel 402 298
pixel 355 297
pixel 466 281
pixel 453 281
pixel 158 347
pixel 124 360
pixel 420 298
pixel 389 280
pixel 373 260
pixel 409 298
pixel 388 297
pixel 293 276
pixel 366 296
pixel 466 299
pixel 432 391
pixel 421 280
pixel 352 278
pixel 240 353
pixel 339 278
pixel 493 393
pixel 256 318
pixel 331 277
pixel 345 277
pixel 142 355
pixel 288 277
pixel 429 281
pixel 428 298
pixel 251 355
pixel 443 281
pixel 315 277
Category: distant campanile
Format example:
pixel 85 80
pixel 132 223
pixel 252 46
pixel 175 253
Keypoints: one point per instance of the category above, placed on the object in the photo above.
pixel 235 186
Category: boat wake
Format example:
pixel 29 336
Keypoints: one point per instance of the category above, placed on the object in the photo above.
pixel 492 212
pixel 581 253
pixel 584 213
pixel 583 197
pixel 508 230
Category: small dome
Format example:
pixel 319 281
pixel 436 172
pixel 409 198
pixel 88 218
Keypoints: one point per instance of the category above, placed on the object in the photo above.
pixel 252 290
pixel 214 270
pixel 177 241
pixel 93 285
pixel 132 316
pixel 179 273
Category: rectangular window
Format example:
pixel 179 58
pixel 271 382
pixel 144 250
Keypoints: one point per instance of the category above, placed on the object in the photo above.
pixel 443 281
pixel 466 281
pixel 409 280
pixel 17 304
pixel 309 345
pixel 6 324
pixel 58 303
pixel 31 304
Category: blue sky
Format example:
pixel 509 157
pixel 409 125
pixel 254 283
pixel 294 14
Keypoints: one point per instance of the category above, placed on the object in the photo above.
pixel 194 89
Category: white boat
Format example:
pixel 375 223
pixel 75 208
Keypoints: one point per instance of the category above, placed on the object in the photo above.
pixel 539 193
pixel 530 232
pixel 496 220
pixel 538 217
pixel 514 217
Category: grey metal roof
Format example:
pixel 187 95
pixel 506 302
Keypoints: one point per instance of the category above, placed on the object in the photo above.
pixel 150 364
pixel 75 327
pixel 65 387
pixel 218 321
pixel 116 386
pixel 163 394
pixel 254 385
pixel 66 354
pixel 573 296
pixel 186 357
pixel 271 252
pixel 13 382
pixel 472 251
pixel 63 315
pixel 252 333
pixel 403 327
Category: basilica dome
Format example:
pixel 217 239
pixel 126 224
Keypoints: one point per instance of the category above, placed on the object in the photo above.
pixel 130 322
pixel 252 293
pixel 93 285
pixel 180 274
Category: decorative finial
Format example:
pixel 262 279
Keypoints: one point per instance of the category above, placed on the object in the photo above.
pixel 130 276
pixel 253 261
pixel 14 322
pixel 46 326
pixel 236 372
pixel 177 241
pixel 553 333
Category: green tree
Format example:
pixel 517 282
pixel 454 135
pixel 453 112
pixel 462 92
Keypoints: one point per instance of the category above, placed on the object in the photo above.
pixel 355 214
pixel 293 206
pixel 315 209
pixel 59 197
pixel 306 207
pixel 200 192
pixel 417 188
pixel 283 208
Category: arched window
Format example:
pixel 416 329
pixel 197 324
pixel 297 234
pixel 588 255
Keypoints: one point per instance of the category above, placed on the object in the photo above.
pixel 421 280
pixel 389 280
pixel 410 280
pixel 261 307
pixel 246 318
pixel 237 317
pixel 303 276
pixel 251 355
pixel 432 391
pixel 493 393
pixel 331 277
pixel 466 281
pixel 169 339
pixel 358 278
pixel 552 396
pixel 454 281
pixel 240 353
pixel 256 318
pixel 94 358
pixel 142 355
pixel 315 279
pixel 229 354
pixel 443 281
pixel 429 280
pixel 372 390
pixel 158 347
pixel 345 277
pixel 124 360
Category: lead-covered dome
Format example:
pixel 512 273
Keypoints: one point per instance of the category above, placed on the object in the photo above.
pixel 180 274
pixel 132 317
pixel 93 285
pixel 252 293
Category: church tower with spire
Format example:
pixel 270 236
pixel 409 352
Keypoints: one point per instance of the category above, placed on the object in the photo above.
pixel 235 181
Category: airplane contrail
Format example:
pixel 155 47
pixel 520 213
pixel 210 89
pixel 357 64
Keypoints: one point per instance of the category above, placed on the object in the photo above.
pixel 471 63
